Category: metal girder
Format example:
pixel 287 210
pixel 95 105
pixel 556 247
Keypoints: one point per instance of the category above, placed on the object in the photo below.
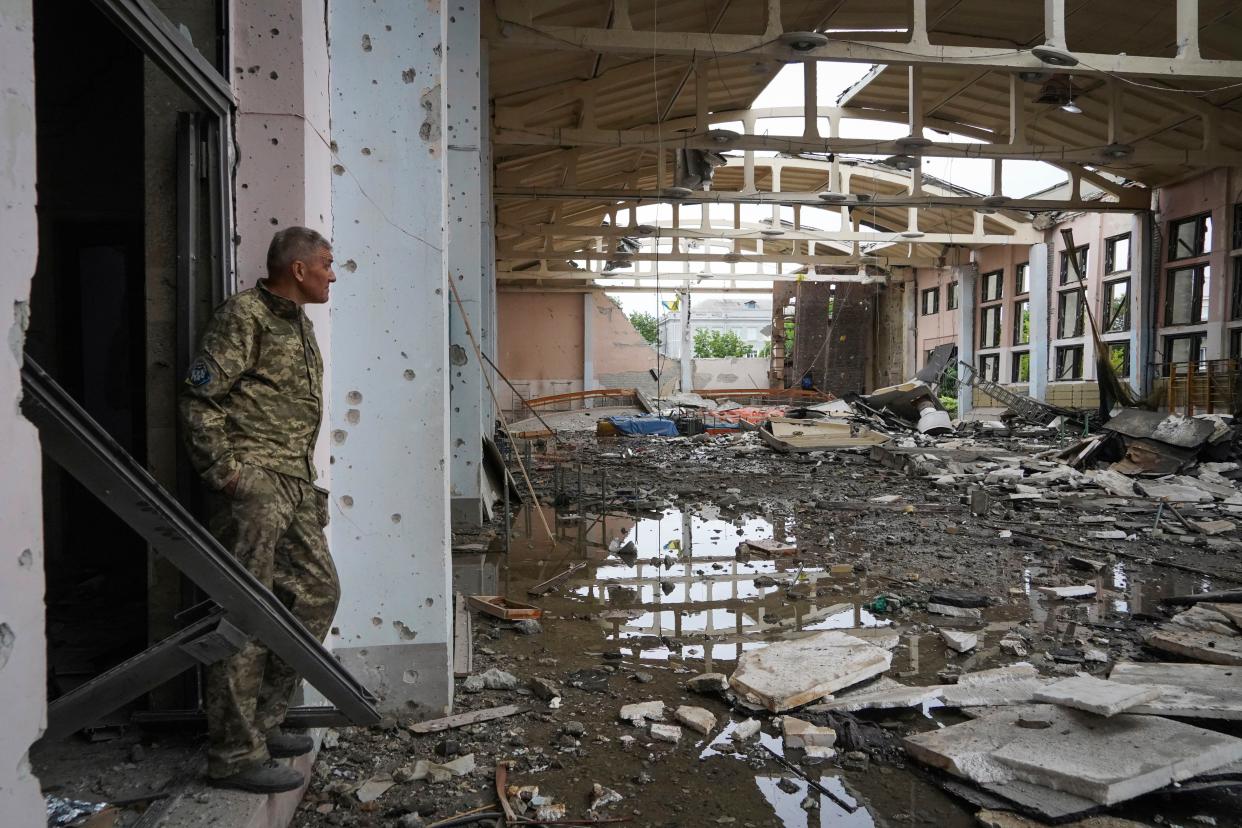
pixel 651 138
pixel 510 254
pixel 81 446
pixel 1140 201
pixel 768 46
pixel 757 233
pixel 204 642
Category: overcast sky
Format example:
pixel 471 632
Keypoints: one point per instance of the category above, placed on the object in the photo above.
pixel 1020 177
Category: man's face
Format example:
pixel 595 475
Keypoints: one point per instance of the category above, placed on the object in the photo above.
pixel 315 276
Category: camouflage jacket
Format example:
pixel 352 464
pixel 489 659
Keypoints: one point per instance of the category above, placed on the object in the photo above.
pixel 254 395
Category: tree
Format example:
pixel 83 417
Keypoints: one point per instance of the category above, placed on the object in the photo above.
pixel 646 325
pixel 709 344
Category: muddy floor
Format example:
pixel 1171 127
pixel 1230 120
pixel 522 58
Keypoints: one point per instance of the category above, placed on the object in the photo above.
pixel 659 592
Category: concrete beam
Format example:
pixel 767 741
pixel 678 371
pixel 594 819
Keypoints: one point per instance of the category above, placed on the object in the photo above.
pixel 390 505
pixel 23 641
pixel 1041 299
pixel 967 277
pixel 1021 235
pixel 687 343
pixel 463 256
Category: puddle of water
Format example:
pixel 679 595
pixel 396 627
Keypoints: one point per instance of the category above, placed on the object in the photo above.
pixel 788 805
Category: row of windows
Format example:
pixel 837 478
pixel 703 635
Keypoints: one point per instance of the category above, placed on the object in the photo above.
pixel 1069 363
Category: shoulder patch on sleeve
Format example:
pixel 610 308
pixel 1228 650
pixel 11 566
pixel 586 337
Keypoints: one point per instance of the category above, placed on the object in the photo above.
pixel 200 373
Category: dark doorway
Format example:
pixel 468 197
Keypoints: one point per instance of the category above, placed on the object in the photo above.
pixel 87 323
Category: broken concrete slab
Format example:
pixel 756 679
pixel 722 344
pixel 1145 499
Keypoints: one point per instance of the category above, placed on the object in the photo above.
pixel 708 683
pixel 747 729
pixel 1008 819
pixel 1214 527
pixel 696 718
pixel 1211 648
pixel 953 612
pixel 1104 760
pixel 1062 592
pixel 882 694
pixel 1204 691
pixel 1173 493
pixel 802 735
pixel 1205 619
pixel 958 598
pixel 958 641
pixel 665 733
pixel 1098 696
pixel 1231 612
pixel 640 713
pixel 1115 483
pixel 998 687
pixel 787 674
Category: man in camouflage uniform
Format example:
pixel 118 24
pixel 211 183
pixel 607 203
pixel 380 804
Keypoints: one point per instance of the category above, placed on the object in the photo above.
pixel 251 411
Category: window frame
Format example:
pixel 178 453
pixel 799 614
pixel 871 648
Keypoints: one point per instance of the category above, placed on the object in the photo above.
pixel 1203 234
pixel 952 298
pixel 934 294
pixel 1110 258
pixel 1169 339
pixel 1080 322
pixel 1022 279
pixel 996 326
pixel 1017 321
pixel 997 277
pixel 1015 366
pixel 1106 303
pixel 1083 251
pixel 1200 274
pixel 1077 365
pixel 994 361
pixel 1124 373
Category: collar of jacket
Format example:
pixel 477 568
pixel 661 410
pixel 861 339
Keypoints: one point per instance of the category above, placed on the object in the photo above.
pixel 278 305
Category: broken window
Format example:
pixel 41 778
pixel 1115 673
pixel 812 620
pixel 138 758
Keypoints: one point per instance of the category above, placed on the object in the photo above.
pixel 931 301
pixel 989 367
pixel 1022 279
pixel 1184 348
pixel 1190 237
pixel 1069 362
pixel 992 285
pixel 1068 275
pixel 1022 322
pixel 990 327
pixel 950 299
pixel 1186 295
pixel 1021 367
pixel 1117 306
pixel 1070 315
pixel 1235 343
pixel 1117 254
pixel 1119 358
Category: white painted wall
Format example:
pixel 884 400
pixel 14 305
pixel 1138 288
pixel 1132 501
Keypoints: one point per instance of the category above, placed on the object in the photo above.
pixel 731 372
pixel 390 528
pixel 23 697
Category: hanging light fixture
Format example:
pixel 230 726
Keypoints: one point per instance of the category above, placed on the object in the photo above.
pixel 1071 107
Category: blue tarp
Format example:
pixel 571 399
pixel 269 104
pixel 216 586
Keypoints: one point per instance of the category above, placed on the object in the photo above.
pixel 657 426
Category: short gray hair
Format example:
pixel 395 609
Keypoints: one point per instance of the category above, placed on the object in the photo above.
pixel 293 244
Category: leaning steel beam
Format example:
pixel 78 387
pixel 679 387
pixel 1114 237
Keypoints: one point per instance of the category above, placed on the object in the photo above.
pixel 85 450
pixel 204 642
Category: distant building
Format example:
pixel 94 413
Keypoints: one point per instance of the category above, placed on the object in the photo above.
pixel 750 319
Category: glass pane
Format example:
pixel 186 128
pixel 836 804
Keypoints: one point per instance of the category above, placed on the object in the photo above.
pixel 952 300
pixel 1117 307
pixel 1022 367
pixel 1119 358
pixel 1181 292
pixel 1023 281
pixel 1070 318
pixel 1179 349
pixel 1205 290
pixel 1022 322
pixel 1120 254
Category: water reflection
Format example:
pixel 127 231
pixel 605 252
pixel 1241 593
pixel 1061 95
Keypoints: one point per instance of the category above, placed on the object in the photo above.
pixel 788 804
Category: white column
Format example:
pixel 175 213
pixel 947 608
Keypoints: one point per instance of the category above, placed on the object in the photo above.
pixel 23 643
pixel 488 232
pixel 463 256
pixel 687 343
pixel 588 337
pixel 1040 297
pixel 909 327
pixel 966 277
pixel 390 529
pixel 1140 281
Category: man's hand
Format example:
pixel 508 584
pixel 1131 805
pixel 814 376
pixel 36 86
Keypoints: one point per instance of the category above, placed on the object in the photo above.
pixel 230 488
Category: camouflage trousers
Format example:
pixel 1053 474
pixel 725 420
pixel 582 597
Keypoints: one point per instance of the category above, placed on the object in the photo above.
pixel 273 525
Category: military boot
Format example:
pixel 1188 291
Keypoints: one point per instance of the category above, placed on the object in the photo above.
pixel 282 745
pixel 263 777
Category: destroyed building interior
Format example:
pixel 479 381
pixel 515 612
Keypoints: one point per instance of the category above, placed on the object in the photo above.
pixel 734 412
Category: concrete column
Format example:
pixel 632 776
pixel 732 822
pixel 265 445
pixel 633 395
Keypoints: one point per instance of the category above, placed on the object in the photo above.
pixel 687 343
pixel 1041 298
pixel 390 504
pixel 909 327
pixel 23 643
pixel 488 232
pixel 463 255
pixel 588 340
pixel 966 277
pixel 1140 280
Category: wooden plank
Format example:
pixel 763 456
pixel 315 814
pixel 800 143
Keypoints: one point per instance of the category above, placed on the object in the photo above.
pixel 501 607
pixel 463 637
pixel 555 581
pixel 463 719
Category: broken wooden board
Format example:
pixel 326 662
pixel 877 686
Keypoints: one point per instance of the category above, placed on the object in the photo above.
pixel 788 435
pixel 1210 648
pixel 556 580
pixel 1200 691
pixel 788 674
pixel 1104 760
pixel 463 719
pixel 768 547
pixel 501 607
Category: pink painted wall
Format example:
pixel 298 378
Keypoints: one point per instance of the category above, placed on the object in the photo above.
pixel 539 341
pixel 938 328
pixel 618 347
